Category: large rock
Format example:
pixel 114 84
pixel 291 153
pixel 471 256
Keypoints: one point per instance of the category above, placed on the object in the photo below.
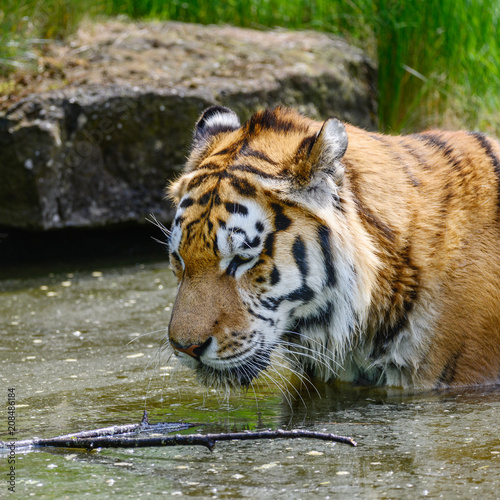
pixel 97 139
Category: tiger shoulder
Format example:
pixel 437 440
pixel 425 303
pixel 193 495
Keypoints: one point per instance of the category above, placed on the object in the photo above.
pixel 362 257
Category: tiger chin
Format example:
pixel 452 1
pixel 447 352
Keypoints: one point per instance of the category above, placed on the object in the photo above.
pixel 362 257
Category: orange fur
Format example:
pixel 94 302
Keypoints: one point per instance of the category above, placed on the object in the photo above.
pixel 417 218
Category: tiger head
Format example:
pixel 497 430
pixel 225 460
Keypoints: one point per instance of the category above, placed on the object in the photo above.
pixel 255 246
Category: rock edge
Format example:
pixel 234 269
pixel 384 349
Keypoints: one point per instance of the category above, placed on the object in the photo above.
pixel 99 149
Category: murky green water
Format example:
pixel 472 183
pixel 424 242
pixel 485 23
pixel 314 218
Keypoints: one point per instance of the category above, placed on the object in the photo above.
pixel 81 350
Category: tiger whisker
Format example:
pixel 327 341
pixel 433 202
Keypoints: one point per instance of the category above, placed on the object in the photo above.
pixel 313 341
pixel 315 356
pixel 285 393
pixel 156 358
pixel 145 334
pixel 273 367
pixel 285 381
pixel 303 378
pixel 301 354
pixel 153 220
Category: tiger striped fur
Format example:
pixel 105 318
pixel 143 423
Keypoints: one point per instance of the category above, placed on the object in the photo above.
pixel 368 258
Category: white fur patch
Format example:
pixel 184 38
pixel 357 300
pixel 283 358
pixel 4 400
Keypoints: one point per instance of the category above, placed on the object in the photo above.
pixel 334 140
pixel 240 230
pixel 222 120
pixel 175 241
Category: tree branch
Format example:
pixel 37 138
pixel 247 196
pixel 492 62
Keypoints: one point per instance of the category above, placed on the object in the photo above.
pixel 112 437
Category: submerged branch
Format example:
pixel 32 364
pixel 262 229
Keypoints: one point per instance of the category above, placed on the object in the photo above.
pixel 208 440
pixel 112 437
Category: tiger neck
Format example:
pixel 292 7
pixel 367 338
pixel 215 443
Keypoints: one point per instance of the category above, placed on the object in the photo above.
pixel 367 327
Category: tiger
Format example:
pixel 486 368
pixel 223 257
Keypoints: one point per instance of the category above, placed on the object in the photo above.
pixel 363 258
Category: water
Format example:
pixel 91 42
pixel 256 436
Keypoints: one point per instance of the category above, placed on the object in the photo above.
pixel 81 349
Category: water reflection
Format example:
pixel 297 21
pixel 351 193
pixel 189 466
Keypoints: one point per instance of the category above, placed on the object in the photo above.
pixel 81 348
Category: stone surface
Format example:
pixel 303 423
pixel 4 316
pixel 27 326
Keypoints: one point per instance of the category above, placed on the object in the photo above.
pixel 95 141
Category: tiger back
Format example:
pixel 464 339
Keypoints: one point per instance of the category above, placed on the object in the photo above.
pixel 363 257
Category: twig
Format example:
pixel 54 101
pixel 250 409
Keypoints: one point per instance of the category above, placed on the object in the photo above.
pixel 110 437
pixel 208 440
pixel 115 430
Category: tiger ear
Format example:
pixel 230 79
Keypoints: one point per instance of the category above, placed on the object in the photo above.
pixel 331 142
pixel 322 152
pixel 213 121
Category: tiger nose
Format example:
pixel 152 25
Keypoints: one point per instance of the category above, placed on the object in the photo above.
pixel 194 350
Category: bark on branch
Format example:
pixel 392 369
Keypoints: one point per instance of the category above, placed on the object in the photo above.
pixel 112 437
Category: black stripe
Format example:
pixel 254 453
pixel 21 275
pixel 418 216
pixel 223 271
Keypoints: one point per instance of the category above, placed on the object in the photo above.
pixel 269 245
pixel 303 294
pixel 326 249
pixel 248 151
pixel 386 334
pixel 253 243
pixel 300 256
pixel 235 263
pixel 222 152
pixel 243 167
pixel 178 220
pixel 238 230
pixel 399 159
pixel 263 318
pixel 213 130
pixel 446 149
pixel 321 318
pixel 370 217
pixel 449 372
pixel 227 151
pixel 405 292
pixel 306 145
pixel 211 166
pixel 243 187
pixel 205 198
pixel 215 245
pixel 431 139
pixel 236 208
pixel 203 130
pixel 271 303
pixel 259 226
pixel 189 226
pixel 196 181
pixel 269 119
pixel 281 221
pixel 176 256
pixel 416 154
pixel 275 276
pixel 187 202
pixel 485 143
pixel 364 212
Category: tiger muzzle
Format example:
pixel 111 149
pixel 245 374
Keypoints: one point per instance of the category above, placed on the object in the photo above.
pixel 207 308
pixel 193 350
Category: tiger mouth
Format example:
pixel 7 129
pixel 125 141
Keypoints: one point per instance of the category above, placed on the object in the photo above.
pixel 235 375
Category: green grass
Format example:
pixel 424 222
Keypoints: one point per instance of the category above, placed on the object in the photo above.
pixel 25 25
pixel 439 60
pixel 439 63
